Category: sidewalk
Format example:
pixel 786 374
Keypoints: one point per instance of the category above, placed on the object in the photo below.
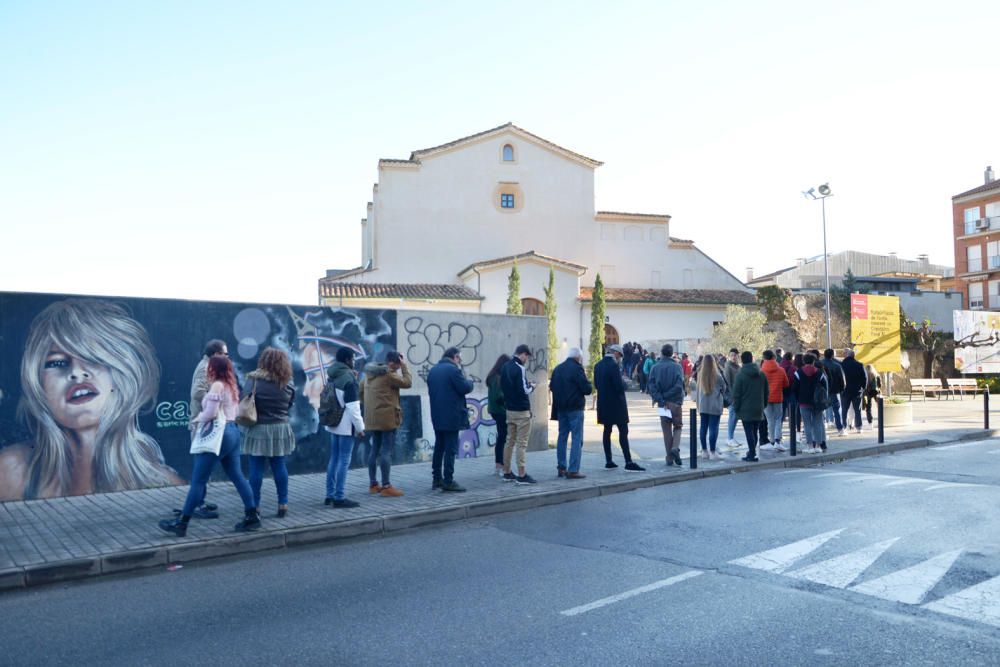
pixel 43 541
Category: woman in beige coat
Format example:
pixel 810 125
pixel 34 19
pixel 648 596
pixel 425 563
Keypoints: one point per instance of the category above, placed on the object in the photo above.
pixel 380 397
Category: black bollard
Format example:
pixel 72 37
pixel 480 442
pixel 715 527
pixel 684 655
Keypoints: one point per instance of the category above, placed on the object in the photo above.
pixel 986 408
pixel 881 420
pixel 792 431
pixel 694 438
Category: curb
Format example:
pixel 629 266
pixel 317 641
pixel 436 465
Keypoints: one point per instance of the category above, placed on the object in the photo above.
pixel 135 560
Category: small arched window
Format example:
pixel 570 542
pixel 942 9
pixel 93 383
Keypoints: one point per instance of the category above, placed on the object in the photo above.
pixel 508 153
pixel 531 306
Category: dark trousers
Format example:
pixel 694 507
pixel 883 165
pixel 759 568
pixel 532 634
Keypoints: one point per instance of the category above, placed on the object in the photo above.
pixel 762 437
pixel 498 446
pixel 380 455
pixel 848 402
pixel 622 440
pixel 867 402
pixel 750 429
pixel 445 450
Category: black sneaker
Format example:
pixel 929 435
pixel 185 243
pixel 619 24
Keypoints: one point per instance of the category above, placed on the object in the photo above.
pixel 610 464
pixel 509 477
pixel 560 472
pixel 822 446
pixel 634 467
pixel 345 503
pixel 452 487
pixel 437 484
pixel 328 501
pixel 750 459
pixel 249 522
pixel 526 479
pixel 175 526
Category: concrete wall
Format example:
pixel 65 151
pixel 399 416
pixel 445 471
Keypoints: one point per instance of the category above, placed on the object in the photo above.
pixel 934 306
pixel 653 325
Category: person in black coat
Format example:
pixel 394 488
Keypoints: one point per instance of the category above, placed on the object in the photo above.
pixel 855 381
pixel 612 408
pixel 835 377
pixel 570 386
pixel 447 387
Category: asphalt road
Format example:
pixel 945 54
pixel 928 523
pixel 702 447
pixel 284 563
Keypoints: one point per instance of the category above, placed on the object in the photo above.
pixel 882 561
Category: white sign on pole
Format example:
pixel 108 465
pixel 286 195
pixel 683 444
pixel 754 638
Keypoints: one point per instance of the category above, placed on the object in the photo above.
pixel 977 341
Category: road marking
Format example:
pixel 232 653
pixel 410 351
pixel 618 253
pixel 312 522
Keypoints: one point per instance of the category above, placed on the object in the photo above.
pixel 909 480
pixel 795 470
pixel 837 474
pixel 977 603
pixel 962 445
pixel 948 485
pixel 912 584
pixel 995 451
pixel 839 572
pixel 781 558
pixel 603 602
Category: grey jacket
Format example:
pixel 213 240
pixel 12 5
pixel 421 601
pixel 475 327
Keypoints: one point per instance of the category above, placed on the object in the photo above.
pixel 710 404
pixel 199 387
pixel 666 382
pixel 729 372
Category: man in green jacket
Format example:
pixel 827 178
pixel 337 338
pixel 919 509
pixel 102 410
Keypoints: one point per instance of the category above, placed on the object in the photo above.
pixel 749 401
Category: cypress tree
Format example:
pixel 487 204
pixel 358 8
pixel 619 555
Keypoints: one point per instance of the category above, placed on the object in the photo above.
pixel 550 314
pixel 596 349
pixel 514 292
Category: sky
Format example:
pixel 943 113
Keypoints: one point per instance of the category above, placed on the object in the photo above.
pixel 226 150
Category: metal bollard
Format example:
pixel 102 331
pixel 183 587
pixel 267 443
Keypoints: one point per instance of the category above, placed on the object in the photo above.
pixel 694 439
pixel 986 408
pixel 793 429
pixel 881 421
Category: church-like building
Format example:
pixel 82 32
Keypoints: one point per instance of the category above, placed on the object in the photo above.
pixel 445 226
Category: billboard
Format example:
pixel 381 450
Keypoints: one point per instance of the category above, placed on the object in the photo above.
pixel 875 331
pixel 977 341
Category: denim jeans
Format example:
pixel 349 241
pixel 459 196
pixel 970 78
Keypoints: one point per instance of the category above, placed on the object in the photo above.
pixel 341 449
pixel 848 402
pixel 835 409
pixel 445 450
pixel 380 455
pixel 570 424
pixel 731 430
pixel 813 431
pixel 229 457
pixel 278 469
pixel 709 429
pixel 501 420
pixel 772 413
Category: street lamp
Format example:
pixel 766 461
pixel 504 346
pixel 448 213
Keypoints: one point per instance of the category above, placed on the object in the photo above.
pixel 824 192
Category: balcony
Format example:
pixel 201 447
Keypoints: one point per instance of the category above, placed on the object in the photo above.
pixel 982 225
pixel 975 264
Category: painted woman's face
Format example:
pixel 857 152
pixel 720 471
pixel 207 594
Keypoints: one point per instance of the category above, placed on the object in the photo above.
pixel 76 391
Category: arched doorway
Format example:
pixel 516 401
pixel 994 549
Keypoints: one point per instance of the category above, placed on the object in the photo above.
pixel 611 335
pixel 531 306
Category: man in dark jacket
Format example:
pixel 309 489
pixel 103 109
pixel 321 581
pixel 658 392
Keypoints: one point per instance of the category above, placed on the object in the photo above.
pixel 569 385
pixel 517 391
pixel 729 371
pixel 749 399
pixel 835 379
pixel 855 381
pixel 666 388
pixel 612 408
pixel 447 387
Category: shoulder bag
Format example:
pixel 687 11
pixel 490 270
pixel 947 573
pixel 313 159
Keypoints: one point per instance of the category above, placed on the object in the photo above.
pixel 208 438
pixel 247 413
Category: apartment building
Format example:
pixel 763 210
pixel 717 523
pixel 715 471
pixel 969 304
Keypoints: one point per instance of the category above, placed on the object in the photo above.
pixel 976 220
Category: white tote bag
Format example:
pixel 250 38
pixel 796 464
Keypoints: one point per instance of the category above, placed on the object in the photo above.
pixel 208 439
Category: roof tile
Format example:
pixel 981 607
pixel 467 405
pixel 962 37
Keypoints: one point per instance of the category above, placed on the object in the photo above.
pixel 336 289
pixel 697 296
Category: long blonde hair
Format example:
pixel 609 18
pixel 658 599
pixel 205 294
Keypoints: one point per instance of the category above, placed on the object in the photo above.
pixel 708 375
pixel 102 333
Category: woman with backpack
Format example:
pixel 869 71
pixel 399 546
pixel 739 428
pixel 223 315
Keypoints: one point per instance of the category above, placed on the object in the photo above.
pixel 812 394
pixel 873 389
pixel 710 397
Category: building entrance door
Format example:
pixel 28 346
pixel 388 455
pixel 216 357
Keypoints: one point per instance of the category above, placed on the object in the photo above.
pixel 611 335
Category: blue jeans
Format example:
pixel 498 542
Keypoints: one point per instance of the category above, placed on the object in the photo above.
pixel 570 424
pixel 278 469
pixel 445 450
pixel 835 409
pixel 341 449
pixel 709 430
pixel 229 456
pixel 380 455
pixel 812 425
pixel 732 423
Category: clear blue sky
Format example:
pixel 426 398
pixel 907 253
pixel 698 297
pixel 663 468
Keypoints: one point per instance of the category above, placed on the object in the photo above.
pixel 227 150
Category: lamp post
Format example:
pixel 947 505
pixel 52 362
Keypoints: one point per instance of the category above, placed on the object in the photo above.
pixel 824 192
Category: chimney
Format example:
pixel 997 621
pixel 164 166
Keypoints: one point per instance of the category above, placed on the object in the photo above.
pixel 749 273
pixel 923 259
pixel 800 261
pixel 988 175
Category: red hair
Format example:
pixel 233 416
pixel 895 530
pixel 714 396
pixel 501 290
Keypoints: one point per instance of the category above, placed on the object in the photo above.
pixel 220 369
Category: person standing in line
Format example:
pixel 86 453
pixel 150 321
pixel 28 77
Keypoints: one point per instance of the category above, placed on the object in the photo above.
pixel 666 388
pixel 688 369
pixel 447 387
pixel 627 353
pixel 344 434
pixel 749 399
pixel 804 386
pixel 379 394
pixel 855 381
pixel 835 376
pixel 199 387
pixel 789 368
pixel 271 439
pixel 223 394
pixel 647 366
pixel 517 390
pixel 612 406
pixel 777 383
pixel 873 389
pixel 794 418
pixel 497 409
pixel 729 371
pixel 709 399
pixel 569 385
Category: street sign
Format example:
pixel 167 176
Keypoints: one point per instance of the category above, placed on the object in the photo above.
pixel 875 331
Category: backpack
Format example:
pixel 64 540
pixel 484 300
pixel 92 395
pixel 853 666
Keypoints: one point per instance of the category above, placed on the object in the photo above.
pixel 331 410
pixel 821 395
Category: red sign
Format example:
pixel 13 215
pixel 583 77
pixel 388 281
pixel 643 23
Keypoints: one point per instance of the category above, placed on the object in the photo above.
pixel 859 306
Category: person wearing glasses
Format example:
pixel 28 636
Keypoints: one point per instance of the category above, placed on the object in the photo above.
pixel 199 387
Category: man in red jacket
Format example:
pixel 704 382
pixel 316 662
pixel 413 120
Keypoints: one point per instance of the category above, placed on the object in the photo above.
pixel 777 382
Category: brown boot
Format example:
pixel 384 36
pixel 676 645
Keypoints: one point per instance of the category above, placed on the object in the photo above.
pixel 389 491
pixel 374 488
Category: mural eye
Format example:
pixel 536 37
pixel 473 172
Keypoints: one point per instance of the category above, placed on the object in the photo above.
pixel 59 362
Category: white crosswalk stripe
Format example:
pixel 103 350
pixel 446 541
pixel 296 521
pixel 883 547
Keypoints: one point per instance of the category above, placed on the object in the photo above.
pixel 912 584
pixel 977 603
pixel 839 572
pixel 780 559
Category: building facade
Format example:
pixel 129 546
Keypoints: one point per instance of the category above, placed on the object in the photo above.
pixel 976 225
pixel 446 225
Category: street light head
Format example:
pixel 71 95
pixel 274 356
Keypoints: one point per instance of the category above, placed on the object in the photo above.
pixel 825 189
pixel 811 192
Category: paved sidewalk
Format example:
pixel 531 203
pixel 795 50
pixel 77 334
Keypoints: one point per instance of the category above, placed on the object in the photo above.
pixel 42 541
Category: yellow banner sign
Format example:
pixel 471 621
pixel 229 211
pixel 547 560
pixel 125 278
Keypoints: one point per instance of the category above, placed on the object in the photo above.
pixel 875 331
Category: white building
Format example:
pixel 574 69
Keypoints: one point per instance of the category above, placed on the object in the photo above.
pixel 445 226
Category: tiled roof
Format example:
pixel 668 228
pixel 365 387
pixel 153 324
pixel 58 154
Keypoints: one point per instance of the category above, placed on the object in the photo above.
pixel 994 185
pixel 416 155
pixel 698 296
pixel 531 254
pixel 334 290
pixel 633 215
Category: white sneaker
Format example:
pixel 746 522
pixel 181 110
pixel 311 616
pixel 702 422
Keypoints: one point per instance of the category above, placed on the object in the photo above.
pixel 840 432
pixel 767 447
pixel 731 444
pixel 778 447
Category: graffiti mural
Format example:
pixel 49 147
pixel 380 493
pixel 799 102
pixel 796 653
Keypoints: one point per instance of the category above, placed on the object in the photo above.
pixel 94 391
pixel 482 431
pixel 427 341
